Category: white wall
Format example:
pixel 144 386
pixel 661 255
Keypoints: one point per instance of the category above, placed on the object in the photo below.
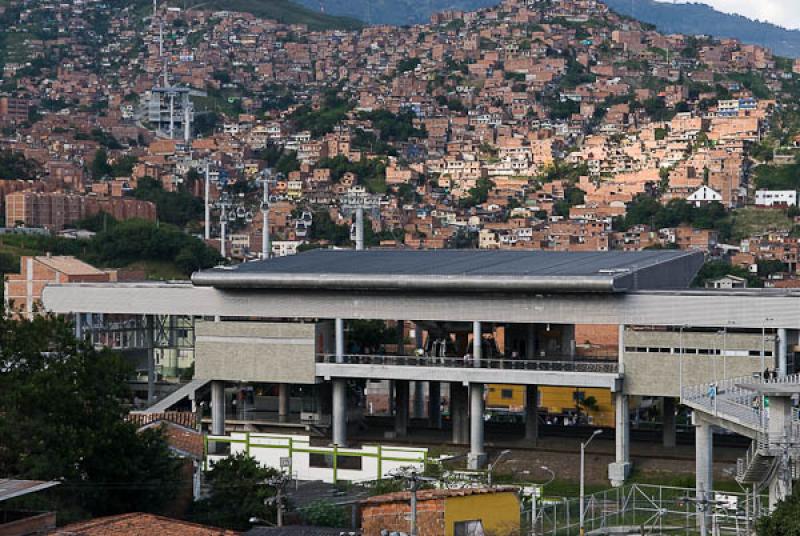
pixel 268 449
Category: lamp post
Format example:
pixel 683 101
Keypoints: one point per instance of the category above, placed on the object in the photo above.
pixel 494 464
pixel 583 477
pixel 206 206
pixel 534 498
pixel 680 358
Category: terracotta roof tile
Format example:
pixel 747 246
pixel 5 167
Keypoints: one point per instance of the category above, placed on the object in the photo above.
pixel 139 524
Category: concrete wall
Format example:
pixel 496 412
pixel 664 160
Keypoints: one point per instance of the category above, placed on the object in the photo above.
pixel 376 461
pixel 653 363
pixel 257 351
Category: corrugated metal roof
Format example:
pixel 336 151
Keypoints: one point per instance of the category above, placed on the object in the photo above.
pixel 447 262
pixel 10 488
pixel 462 270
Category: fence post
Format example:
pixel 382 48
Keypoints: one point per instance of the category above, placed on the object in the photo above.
pixel 380 462
pixel 335 461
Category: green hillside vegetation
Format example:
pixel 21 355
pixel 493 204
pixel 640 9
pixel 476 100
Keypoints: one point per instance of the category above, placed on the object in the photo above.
pixel 162 251
pixel 283 11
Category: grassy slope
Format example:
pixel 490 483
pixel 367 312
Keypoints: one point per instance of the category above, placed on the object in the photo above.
pixel 283 11
pixel 750 221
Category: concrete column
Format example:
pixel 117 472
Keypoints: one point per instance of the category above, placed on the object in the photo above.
pixel 782 343
pixel 532 415
pixel 530 341
pixel 149 326
pixel 780 419
pixel 283 402
pixel 704 463
pixel 401 388
pixel 218 407
pixel 434 405
pixel 477 338
pixel 477 455
pixel 568 340
pixel 458 412
pixel 619 470
pixel 419 399
pixel 339 421
pixel 668 421
pixel 339 397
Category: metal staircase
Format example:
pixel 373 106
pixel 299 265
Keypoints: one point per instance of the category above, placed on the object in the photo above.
pixel 173 398
pixel 758 464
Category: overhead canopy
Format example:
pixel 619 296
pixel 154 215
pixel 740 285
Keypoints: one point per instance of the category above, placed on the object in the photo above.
pixel 462 271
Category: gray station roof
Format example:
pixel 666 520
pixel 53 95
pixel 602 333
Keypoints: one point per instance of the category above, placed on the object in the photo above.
pixel 462 271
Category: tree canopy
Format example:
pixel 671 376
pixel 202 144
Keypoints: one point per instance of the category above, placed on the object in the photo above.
pixel 61 418
pixel 784 521
pixel 178 208
pixel 237 492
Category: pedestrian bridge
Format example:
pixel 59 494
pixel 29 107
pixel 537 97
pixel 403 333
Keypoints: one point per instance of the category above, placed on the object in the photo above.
pixel 601 372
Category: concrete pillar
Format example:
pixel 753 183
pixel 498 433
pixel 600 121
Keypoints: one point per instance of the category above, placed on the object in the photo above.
pixel 419 400
pixel 283 402
pixel 477 455
pixel 782 342
pixel 704 464
pixel 532 415
pixel 668 421
pixel 780 422
pixel 434 405
pixel 218 407
pixel 477 338
pixel 530 341
pixel 458 412
pixel 339 397
pixel 401 388
pixel 619 470
pixel 149 327
pixel 568 340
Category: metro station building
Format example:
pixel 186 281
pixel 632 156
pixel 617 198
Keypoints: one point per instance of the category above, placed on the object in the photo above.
pixel 286 321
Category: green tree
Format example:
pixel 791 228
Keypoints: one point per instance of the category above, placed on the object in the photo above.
pixel 100 167
pixel 61 418
pixel 784 521
pixel 322 513
pixel 178 208
pixel 238 490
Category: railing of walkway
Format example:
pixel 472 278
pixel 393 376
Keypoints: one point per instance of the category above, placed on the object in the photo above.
pixel 728 399
pixel 648 509
pixel 552 363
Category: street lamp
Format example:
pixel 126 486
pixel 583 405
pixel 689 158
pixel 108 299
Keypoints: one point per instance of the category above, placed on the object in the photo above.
pixel 494 464
pixel 680 358
pixel 534 498
pixel 583 455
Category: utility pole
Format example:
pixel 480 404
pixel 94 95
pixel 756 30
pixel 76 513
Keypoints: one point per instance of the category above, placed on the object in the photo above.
pixel 266 241
pixel 207 205
pixel 414 481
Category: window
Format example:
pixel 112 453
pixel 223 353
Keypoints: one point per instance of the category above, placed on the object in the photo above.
pixel 507 393
pixel 469 528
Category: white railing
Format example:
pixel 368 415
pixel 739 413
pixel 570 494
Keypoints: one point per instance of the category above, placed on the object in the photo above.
pixel 730 400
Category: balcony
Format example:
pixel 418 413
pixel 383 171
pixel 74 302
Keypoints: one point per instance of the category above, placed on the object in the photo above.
pixel 597 371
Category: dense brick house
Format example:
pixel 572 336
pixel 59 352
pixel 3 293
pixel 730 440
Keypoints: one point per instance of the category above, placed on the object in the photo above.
pixel 444 512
